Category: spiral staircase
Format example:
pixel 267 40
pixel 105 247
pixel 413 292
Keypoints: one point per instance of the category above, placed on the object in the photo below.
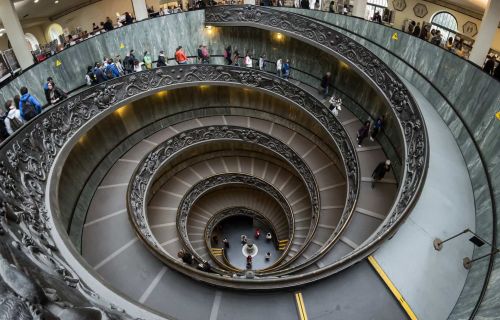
pixel 106 193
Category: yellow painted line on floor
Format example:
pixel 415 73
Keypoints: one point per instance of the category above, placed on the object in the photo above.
pixel 301 308
pixel 392 287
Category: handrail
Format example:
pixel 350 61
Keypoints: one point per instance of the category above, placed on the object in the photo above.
pixel 209 183
pixel 379 75
pixel 469 132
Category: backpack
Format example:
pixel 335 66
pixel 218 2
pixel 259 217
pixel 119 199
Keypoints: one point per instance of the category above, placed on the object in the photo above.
pixel 29 110
pixel 226 54
pixel 109 72
pixel 15 123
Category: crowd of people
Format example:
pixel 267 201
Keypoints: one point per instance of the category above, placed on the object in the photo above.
pixel 24 107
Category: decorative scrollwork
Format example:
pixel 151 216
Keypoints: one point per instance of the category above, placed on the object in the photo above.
pixel 27 157
pixel 210 183
pixel 370 67
pixel 148 168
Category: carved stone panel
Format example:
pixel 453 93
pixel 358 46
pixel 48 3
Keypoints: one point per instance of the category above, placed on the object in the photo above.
pixel 420 10
pixel 470 29
pixel 399 5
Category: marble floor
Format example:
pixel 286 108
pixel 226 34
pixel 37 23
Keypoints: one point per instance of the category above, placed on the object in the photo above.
pixel 233 229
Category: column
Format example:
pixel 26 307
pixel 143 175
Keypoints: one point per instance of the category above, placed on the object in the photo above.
pixel 140 9
pixel 359 8
pixel 15 33
pixel 486 34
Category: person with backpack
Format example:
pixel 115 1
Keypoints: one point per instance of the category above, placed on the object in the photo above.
pixel 148 61
pixel 111 70
pixel 128 64
pixel 29 106
pixel 90 78
pixel 56 94
pixel 99 73
pixel 162 61
pixel 13 119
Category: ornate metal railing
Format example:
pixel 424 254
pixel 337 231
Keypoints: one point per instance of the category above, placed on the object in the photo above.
pixel 220 216
pixel 378 74
pixel 204 186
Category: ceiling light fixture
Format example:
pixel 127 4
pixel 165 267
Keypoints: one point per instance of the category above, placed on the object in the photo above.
pixel 56 2
pixel 36 1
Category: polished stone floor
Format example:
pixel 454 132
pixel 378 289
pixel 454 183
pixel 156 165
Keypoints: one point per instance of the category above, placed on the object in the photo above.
pixel 233 229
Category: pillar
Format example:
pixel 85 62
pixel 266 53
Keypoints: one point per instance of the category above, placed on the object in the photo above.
pixel 359 8
pixel 486 34
pixel 140 9
pixel 15 33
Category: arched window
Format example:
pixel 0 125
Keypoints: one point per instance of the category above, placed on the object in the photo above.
pixel 54 31
pixel 446 23
pixel 32 42
pixel 373 6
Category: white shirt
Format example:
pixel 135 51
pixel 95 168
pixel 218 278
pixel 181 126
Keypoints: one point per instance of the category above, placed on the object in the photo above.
pixel 279 64
pixel 13 113
pixel 248 62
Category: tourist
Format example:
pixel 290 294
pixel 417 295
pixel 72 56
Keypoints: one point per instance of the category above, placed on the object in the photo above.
pixel 377 126
pixel 99 73
pixel 225 242
pixel 331 8
pixel 496 73
pixel 286 69
pixel 227 55
pixel 411 27
pixel 111 70
pixel 416 30
pixel 162 61
pixel 180 56
pixel 29 107
pixel 279 67
pixel 380 171
pixel 46 89
pixel 489 65
pixel 118 63
pixel 437 38
pixel 248 60
pixel 13 119
pixel 138 66
pixel 236 57
pixel 262 62
pixel 148 61
pixel 205 56
pixel 326 81
pixel 128 63
pixel 377 18
pixel 199 53
pixel 363 133
pixel 108 25
pixel 128 19
pixel 268 256
pixel 204 266
pixel 95 27
pixel 316 5
pixel 304 4
pixel 257 233
pixel 90 78
pixel 449 44
pixel 56 94
pixel 269 236
pixel 335 105
pixel 243 239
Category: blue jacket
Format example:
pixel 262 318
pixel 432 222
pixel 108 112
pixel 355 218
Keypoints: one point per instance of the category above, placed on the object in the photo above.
pixel 114 70
pixel 28 97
